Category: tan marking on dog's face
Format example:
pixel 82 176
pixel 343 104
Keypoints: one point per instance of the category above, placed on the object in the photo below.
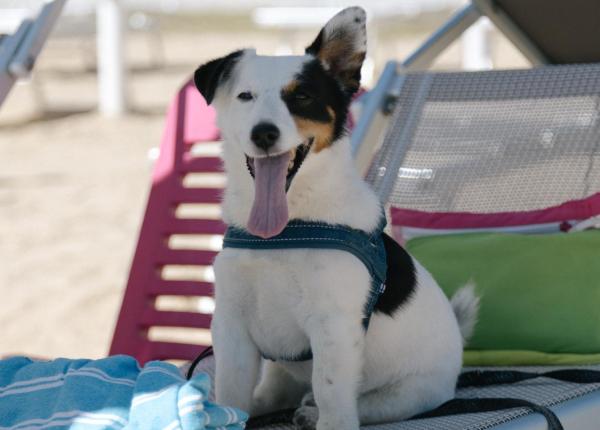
pixel 290 87
pixel 322 132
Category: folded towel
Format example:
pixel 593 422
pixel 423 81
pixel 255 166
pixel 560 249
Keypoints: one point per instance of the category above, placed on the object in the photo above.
pixel 111 393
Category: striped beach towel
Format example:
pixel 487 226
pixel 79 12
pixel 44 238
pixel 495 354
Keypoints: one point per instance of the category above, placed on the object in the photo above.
pixel 111 393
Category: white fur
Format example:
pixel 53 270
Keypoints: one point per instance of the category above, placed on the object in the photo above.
pixel 466 308
pixel 281 302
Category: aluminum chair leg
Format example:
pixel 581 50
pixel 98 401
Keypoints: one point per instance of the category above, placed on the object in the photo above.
pixel 442 38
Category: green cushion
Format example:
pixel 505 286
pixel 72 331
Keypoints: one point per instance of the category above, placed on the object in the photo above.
pixel 540 294
pixel 526 358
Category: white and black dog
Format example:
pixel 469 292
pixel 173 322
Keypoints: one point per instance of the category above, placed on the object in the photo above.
pixel 286 156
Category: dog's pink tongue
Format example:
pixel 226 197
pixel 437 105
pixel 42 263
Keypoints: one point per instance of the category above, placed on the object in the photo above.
pixel 269 214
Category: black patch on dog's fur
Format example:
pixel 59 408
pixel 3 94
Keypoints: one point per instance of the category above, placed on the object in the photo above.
pixel 401 280
pixel 212 74
pixel 323 91
pixel 315 47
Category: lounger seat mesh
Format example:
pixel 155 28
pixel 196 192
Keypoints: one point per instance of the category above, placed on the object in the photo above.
pixel 543 391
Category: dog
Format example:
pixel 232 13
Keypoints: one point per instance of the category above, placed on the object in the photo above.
pixel 287 156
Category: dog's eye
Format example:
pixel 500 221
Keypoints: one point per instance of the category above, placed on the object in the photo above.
pixel 245 96
pixel 302 96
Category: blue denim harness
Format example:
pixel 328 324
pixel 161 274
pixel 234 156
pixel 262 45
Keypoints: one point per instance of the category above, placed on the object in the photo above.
pixel 299 234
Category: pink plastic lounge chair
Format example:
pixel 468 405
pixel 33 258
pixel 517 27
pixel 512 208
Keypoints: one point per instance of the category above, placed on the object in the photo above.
pixel 190 122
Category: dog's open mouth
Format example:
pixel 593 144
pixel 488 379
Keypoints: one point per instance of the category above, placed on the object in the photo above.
pixel 273 176
pixel 298 155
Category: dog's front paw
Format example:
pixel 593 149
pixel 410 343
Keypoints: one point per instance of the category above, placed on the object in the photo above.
pixel 307 415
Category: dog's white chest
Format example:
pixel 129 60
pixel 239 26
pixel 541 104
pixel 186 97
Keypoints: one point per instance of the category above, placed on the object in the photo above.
pixel 268 288
pixel 276 292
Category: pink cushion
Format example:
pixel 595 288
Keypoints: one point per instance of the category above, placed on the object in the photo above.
pixel 408 223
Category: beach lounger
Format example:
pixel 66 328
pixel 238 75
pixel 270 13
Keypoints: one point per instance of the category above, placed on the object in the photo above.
pixel 18 51
pixel 178 241
pixel 475 142
pixel 545 31
pixel 450 146
pixel 493 142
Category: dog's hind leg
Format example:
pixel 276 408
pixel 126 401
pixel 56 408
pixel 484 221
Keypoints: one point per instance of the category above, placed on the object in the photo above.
pixel 408 397
pixel 277 390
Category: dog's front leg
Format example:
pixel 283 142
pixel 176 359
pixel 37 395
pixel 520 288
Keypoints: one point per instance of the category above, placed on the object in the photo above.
pixel 237 361
pixel 337 345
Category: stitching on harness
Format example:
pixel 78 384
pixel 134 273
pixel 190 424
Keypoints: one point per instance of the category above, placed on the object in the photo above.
pixel 282 240
pixel 345 229
pixel 320 226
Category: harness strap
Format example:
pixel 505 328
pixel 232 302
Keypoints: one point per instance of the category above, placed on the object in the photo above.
pixel 368 247
pixel 299 234
pixel 477 378
pixel 471 406
pixel 482 378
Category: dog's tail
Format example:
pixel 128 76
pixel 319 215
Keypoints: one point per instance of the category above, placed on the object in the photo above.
pixel 465 305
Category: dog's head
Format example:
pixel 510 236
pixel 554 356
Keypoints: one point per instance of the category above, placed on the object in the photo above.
pixel 278 110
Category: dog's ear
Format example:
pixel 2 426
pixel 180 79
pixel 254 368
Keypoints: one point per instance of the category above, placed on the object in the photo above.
pixel 341 46
pixel 209 76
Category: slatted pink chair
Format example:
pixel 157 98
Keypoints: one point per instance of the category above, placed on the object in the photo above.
pixel 189 127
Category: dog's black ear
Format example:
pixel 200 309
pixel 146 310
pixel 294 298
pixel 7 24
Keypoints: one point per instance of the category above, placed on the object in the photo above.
pixel 214 73
pixel 342 45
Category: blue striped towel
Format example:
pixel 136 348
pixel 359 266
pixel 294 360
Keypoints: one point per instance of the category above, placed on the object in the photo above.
pixel 111 393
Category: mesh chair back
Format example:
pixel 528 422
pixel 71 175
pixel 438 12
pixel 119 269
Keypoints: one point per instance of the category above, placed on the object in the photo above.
pixel 494 141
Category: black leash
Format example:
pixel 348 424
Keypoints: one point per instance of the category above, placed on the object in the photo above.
pixel 278 417
pixel 207 352
pixel 473 378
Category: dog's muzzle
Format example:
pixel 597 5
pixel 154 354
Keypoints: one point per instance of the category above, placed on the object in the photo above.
pixel 300 153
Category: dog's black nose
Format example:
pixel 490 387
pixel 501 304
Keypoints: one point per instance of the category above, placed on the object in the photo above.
pixel 264 135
